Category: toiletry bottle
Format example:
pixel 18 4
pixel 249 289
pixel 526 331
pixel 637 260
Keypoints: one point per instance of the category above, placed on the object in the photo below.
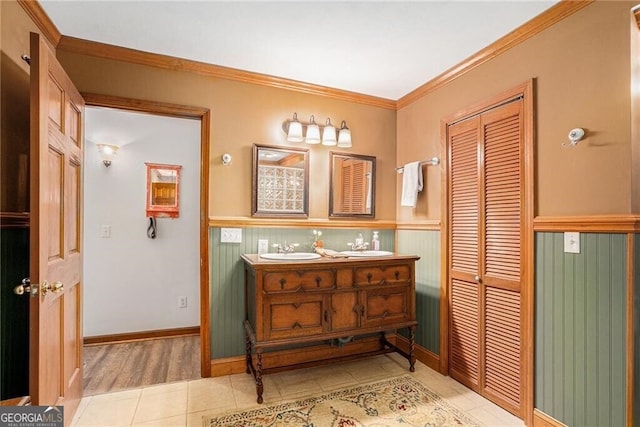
pixel 359 241
pixel 375 242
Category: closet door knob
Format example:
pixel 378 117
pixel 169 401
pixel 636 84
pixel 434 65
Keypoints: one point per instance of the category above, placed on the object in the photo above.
pixel 477 279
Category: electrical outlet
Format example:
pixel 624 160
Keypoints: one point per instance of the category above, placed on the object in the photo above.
pixel 231 235
pixel 182 302
pixel 572 242
pixel 263 246
pixel 105 231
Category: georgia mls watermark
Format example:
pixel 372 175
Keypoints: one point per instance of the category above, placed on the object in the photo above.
pixel 31 416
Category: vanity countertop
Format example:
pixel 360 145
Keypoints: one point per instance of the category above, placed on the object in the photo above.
pixel 256 261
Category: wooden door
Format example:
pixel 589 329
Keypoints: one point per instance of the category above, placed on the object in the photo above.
pixel 486 258
pixel 55 353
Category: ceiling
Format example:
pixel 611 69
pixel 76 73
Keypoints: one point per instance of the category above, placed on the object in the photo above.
pixel 379 48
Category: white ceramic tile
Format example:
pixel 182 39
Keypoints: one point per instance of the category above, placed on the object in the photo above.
pixel 177 421
pixel 105 412
pixel 210 393
pixel 184 403
pixel 156 405
pixel 165 388
pixel 117 395
pixel 494 416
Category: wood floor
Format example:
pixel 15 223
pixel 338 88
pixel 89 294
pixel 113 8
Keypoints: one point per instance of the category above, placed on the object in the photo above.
pixel 113 367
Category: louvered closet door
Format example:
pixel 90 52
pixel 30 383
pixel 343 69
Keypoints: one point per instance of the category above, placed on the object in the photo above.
pixel 487 301
pixel 502 254
pixel 464 186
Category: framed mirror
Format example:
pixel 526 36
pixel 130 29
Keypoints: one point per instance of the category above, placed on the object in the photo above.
pixel 163 190
pixel 280 182
pixel 352 185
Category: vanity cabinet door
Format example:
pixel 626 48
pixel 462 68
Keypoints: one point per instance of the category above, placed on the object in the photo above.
pixel 296 315
pixel 345 311
pixel 383 275
pixel 386 306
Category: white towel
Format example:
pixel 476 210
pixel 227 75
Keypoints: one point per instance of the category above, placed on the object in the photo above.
pixel 411 183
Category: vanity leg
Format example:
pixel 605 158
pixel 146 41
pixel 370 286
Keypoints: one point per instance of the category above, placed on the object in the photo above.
pixel 258 374
pixel 412 341
pixel 248 353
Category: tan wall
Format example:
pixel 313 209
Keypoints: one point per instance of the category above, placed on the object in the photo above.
pixel 635 115
pixel 581 68
pixel 244 114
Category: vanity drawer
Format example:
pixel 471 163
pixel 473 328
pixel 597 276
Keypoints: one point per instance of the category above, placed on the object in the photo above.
pixel 383 275
pixel 296 281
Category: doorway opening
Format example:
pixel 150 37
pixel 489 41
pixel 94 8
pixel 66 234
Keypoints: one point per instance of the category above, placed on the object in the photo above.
pixel 146 294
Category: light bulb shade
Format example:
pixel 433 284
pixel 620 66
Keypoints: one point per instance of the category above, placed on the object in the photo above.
pixel 344 137
pixel 107 152
pixel 313 132
pixel 295 132
pixel 329 134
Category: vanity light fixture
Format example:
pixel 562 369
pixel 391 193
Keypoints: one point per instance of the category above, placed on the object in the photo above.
pixel 294 132
pixel 329 134
pixel 312 133
pixel 107 153
pixel 344 136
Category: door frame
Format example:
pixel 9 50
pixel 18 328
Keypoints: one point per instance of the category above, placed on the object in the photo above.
pixel 526 91
pixel 204 116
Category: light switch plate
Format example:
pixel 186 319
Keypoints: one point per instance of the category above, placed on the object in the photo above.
pixel 572 242
pixel 105 231
pixel 231 235
pixel 263 246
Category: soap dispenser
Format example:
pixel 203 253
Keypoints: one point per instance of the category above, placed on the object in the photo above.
pixel 375 242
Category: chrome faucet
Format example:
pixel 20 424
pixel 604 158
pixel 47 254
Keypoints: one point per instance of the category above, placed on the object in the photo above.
pixel 360 244
pixel 286 248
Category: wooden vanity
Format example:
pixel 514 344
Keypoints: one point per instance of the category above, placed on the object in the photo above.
pixel 296 302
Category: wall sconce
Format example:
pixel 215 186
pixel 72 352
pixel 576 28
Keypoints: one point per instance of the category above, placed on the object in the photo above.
pixel 107 153
pixel 310 132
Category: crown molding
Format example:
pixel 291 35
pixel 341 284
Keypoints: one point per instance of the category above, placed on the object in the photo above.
pixel 107 51
pixel 538 24
pixel 42 20
pixel 546 19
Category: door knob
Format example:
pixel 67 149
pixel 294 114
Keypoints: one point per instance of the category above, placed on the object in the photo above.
pixel 55 287
pixel 477 279
pixel 26 286
pixel 32 289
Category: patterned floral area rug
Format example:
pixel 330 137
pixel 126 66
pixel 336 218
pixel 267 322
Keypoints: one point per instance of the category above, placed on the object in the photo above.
pixel 399 401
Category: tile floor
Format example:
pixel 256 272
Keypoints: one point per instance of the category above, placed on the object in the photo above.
pixel 184 403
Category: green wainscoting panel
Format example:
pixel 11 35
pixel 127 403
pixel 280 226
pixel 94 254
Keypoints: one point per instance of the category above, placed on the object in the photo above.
pixel 227 275
pixel 580 347
pixel 14 314
pixel 425 244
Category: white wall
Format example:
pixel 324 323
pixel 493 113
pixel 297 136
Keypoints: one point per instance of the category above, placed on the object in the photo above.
pixel 132 283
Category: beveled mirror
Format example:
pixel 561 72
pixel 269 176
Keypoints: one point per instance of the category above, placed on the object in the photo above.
pixel 352 185
pixel 280 184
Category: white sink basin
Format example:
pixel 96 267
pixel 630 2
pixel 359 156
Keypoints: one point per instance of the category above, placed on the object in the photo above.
pixel 367 253
pixel 292 256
